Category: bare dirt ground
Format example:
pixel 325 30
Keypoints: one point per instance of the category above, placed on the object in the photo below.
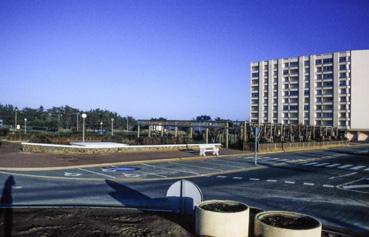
pixel 11 156
pixel 94 222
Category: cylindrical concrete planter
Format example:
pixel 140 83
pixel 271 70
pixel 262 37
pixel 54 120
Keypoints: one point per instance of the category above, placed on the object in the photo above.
pixel 286 224
pixel 222 218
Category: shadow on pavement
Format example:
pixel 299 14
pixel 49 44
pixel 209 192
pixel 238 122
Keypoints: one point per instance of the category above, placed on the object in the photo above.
pixel 6 211
pixel 166 207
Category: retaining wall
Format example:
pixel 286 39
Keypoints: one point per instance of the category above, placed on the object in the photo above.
pixel 72 149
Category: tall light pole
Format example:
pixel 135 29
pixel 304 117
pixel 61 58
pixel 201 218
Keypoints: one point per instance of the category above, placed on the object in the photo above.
pixel 101 123
pixel 84 116
pixel 25 125
pixel 77 121
pixel 112 126
pixel 127 123
pixel 15 119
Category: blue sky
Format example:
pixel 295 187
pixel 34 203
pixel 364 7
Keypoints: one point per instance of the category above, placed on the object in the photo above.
pixel 175 59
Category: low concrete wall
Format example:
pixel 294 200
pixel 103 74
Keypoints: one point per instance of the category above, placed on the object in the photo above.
pixel 294 146
pixel 72 149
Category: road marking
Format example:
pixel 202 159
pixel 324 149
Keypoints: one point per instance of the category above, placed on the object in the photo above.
pixel 321 164
pixel 289 182
pixel 328 186
pixel 72 174
pixel 254 179
pixel 17 187
pixel 312 163
pixel 154 174
pixel 333 165
pixel 309 184
pixel 366 169
pixel 221 176
pixel 344 166
pixel 345 175
pixel 239 178
pixel 284 160
pixel 358 167
pixel 194 166
pixel 98 173
pixel 271 180
pixel 165 168
pixel 356 186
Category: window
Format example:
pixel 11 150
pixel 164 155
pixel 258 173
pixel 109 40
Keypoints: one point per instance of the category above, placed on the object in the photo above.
pixel 255 94
pixel 342 107
pixel 294 64
pixel 318 107
pixel 343 99
pixel 286 101
pixel 319 77
pixel 285 72
pixel 318 61
pixel 327 68
pixel 294 93
pixel 343 67
pixel 342 75
pixel 285 107
pixel 306 107
pixel 306 92
pixel 342 59
pixel 319 92
pixel 307 63
pixel 328 76
pixel 286 65
pixel 255 74
pixel 328 84
pixel 307 84
pixel 343 91
pixel 328 60
pixel 255 68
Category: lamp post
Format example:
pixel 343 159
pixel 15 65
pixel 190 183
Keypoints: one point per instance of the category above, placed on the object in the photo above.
pixel 25 125
pixel 77 121
pixel 84 116
pixel 15 119
pixel 101 123
pixel 112 126
pixel 127 123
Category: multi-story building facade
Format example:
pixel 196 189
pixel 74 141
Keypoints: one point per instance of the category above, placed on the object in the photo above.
pixel 317 90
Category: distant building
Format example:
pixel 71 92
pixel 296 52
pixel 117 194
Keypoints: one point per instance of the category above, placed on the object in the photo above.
pixel 318 90
pixel 1 123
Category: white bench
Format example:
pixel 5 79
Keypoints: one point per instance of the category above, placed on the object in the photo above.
pixel 208 148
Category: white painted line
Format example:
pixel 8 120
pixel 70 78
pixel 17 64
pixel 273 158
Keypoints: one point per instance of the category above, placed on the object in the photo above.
pixel 333 165
pixel 165 168
pixel 196 167
pixel 344 166
pixel 284 160
pixel 98 173
pixel 289 182
pixel 345 175
pixel 309 184
pixel 254 179
pixel 17 187
pixel 238 178
pixel 271 180
pixel 358 167
pixel 356 186
pixel 321 164
pixel 153 174
pixel 312 163
pixel 275 158
pixel 221 176
pixel 366 169
pixel 328 186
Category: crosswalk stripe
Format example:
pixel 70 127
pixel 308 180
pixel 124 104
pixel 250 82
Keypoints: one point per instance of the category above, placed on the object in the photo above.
pixel 312 163
pixel 358 167
pixel 321 164
pixel 333 165
pixel 239 178
pixel 366 169
pixel 344 166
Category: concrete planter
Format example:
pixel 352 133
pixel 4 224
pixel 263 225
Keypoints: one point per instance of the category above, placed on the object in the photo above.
pixel 286 224
pixel 222 218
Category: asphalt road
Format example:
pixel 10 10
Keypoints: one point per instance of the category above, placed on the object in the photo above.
pixel 332 185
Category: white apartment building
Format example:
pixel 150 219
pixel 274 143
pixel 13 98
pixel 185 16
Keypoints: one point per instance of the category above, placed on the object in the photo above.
pixel 317 90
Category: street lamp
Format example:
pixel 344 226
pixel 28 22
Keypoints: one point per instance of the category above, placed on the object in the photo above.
pixel 15 119
pixel 25 125
pixel 77 121
pixel 127 123
pixel 112 126
pixel 101 123
pixel 84 116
